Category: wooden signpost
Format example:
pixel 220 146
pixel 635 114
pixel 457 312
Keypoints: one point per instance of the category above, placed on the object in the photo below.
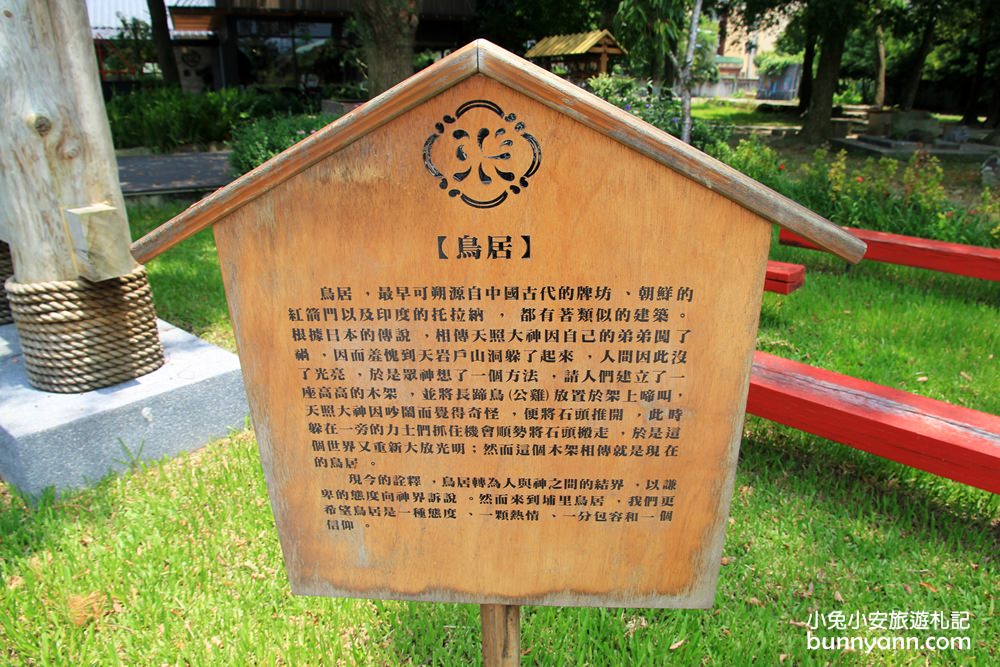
pixel 497 337
pixel 62 207
pixel 81 305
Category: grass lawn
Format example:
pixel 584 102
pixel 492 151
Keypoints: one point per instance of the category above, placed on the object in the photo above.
pixel 178 562
pixel 741 113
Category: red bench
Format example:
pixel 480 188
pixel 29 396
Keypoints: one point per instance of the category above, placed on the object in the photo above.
pixel 944 439
pixel 965 260
pixel 784 278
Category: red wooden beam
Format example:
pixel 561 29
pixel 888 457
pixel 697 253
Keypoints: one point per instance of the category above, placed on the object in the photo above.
pixel 784 278
pixel 944 439
pixel 965 260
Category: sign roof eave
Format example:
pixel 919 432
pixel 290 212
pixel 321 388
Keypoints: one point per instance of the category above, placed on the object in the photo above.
pixel 482 57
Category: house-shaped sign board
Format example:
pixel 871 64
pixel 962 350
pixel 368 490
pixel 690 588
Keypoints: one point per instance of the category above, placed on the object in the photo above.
pixel 497 338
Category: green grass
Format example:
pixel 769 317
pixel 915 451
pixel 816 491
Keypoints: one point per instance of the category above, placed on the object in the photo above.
pixel 739 113
pixel 948 118
pixel 202 310
pixel 924 332
pixel 179 563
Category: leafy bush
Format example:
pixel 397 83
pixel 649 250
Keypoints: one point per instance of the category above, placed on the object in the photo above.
pixel 355 90
pixel 850 92
pixel 165 118
pixel 255 143
pixel 656 108
pixel 773 63
pixel 882 195
pixel 754 159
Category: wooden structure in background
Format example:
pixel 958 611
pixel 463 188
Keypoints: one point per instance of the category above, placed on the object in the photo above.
pixel 944 439
pixel 956 258
pixel 583 54
pixel 481 369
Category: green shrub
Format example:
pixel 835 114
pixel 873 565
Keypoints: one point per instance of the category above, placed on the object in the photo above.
pixel 255 143
pixel 851 92
pixel 883 195
pixel 773 63
pixel 754 159
pixel 164 118
pixel 656 108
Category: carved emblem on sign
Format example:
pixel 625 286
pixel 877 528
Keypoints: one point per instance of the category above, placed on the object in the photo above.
pixel 481 155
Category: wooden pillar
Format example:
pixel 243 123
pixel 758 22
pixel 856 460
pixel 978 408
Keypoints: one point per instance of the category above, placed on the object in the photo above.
pixel 501 635
pixel 60 199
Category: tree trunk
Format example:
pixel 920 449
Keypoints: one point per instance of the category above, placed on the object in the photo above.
pixel 686 73
pixel 808 58
pixel 161 40
pixel 723 30
pixel 817 125
pixel 389 29
pixel 971 114
pixel 993 114
pixel 879 100
pixel 912 81
pixel 670 73
pixel 55 145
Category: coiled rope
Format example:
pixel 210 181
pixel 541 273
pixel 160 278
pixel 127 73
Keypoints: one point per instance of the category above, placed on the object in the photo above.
pixel 79 335
pixel 6 271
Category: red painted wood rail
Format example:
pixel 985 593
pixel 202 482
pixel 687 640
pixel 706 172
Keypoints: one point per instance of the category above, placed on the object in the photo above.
pixel 784 278
pixel 964 260
pixel 944 439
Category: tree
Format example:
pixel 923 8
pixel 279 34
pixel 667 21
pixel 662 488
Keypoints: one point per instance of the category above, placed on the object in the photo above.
pixel 800 35
pixel 134 44
pixel 960 62
pixel 993 115
pixel 833 19
pixel 817 126
pixel 987 41
pixel 686 78
pixel 880 67
pixel 911 82
pixel 808 63
pixel 161 39
pixel 388 32
pixel 651 31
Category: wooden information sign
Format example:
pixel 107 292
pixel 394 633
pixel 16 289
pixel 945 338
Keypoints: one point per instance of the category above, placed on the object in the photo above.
pixel 497 338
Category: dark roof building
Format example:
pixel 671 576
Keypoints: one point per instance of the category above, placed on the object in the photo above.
pixel 304 44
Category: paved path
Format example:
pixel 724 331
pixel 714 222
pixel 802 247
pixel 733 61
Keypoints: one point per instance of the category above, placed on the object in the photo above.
pixel 173 174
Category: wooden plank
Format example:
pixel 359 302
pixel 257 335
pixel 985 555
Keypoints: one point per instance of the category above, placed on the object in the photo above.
pixel 783 277
pixel 956 258
pixel 55 143
pixel 90 228
pixel 785 272
pixel 501 625
pixel 540 85
pixel 781 287
pixel 513 376
pixel 944 439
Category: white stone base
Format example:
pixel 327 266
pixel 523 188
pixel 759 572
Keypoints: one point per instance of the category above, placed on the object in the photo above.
pixel 67 441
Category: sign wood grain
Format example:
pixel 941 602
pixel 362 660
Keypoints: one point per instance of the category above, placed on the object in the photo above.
pixel 496 356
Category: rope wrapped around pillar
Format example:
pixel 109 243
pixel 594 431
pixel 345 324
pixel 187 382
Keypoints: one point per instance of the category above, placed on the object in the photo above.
pixel 6 271
pixel 78 335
